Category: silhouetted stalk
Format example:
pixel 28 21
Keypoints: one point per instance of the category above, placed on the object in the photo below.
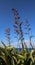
pixel 7 32
pixel 28 31
pixel 17 26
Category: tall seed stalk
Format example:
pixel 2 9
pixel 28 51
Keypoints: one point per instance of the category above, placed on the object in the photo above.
pixel 7 32
pixel 28 29
pixel 18 26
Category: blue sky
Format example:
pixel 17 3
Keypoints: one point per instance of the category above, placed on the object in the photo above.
pixel 26 9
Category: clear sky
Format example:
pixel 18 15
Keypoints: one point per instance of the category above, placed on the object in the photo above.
pixel 26 8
